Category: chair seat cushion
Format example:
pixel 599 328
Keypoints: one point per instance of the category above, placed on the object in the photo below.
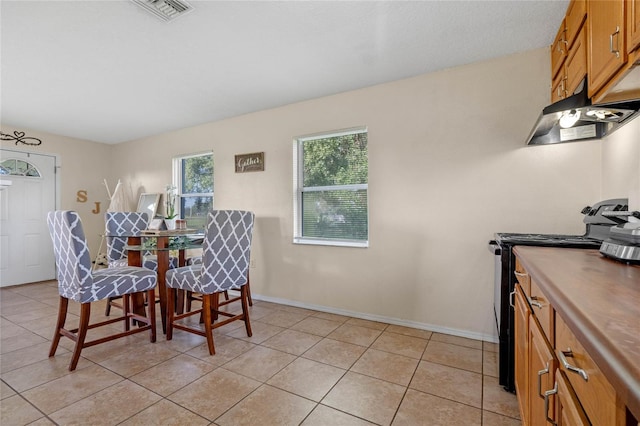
pixel 185 278
pixel 189 278
pixel 113 282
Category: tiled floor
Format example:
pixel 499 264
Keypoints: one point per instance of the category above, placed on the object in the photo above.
pixel 300 367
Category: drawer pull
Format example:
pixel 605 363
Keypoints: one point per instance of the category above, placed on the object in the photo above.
pixel 547 395
pixel 534 302
pixel 615 51
pixel 540 374
pixel 563 360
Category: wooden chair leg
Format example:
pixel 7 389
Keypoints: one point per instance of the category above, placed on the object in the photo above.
pixel 249 291
pixel 171 294
pixel 188 302
pixel 206 312
pixel 107 309
pixel 215 306
pixel 151 295
pixel 126 309
pixel 62 316
pixel 245 308
pixel 180 297
pixel 85 313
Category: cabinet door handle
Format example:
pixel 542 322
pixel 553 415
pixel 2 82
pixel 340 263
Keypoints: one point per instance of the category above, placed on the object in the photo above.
pixel 513 293
pixel 563 360
pixel 540 374
pixel 547 395
pixel 534 302
pixel 617 50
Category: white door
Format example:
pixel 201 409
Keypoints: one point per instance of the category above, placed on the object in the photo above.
pixel 26 195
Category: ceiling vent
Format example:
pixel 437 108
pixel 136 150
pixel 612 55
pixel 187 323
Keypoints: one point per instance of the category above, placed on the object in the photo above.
pixel 167 10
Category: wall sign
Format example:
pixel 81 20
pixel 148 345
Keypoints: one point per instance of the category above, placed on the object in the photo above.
pixel 81 197
pixel 20 137
pixel 253 162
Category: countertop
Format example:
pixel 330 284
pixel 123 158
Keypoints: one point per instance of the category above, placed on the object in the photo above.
pixel 599 299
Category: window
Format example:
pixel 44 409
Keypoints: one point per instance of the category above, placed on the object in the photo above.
pixel 17 167
pixel 193 176
pixel 331 186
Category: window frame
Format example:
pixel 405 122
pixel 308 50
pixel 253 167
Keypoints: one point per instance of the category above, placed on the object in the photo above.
pixel 298 190
pixel 177 179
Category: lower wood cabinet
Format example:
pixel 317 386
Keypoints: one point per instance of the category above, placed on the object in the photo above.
pixel 521 324
pixel 594 391
pixel 569 412
pixel 556 380
pixel 542 367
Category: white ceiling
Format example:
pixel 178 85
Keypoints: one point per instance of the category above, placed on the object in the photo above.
pixel 108 71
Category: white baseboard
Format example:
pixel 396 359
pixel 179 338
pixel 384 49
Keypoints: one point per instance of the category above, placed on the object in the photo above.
pixel 395 321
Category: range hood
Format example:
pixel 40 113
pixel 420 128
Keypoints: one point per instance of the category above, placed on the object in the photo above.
pixel 576 119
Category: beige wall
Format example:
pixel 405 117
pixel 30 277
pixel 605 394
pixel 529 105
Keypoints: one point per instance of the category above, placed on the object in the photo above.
pixel 83 166
pixel 621 164
pixel 448 168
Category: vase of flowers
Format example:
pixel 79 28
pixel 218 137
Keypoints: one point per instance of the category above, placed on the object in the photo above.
pixel 170 207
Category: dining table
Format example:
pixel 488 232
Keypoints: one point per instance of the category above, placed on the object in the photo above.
pixel 162 242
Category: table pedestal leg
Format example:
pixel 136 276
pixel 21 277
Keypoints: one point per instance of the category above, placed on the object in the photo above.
pixel 163 265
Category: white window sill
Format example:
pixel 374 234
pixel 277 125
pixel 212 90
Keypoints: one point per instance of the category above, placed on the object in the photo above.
pixel 335 243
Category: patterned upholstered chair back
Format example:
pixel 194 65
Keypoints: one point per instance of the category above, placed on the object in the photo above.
pixel 73 259
pixel 226 250
pixel 122 223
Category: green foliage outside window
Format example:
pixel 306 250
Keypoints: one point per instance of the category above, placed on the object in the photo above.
pixel 196 189
pixel 334 195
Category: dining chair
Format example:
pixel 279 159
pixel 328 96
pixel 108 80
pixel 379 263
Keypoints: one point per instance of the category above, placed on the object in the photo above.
pixel 118 227
pixel 226 252
pixel 190 296
pixel 78 282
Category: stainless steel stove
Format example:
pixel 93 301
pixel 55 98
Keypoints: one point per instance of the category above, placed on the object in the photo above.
pixel 598 219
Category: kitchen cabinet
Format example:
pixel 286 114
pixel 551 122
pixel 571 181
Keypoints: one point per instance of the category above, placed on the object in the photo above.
pixel 557 376
pixel 606 52
pixel 535 362
pixel 521 325
pixel 575 17
pixel 542 367
pixel 633 25
pixel 576 62
pixel 598 42
pixel 559 50
pixel 568 410
pixel 596 395
pixel 569 52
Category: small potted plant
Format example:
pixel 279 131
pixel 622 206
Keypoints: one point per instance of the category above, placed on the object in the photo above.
pixel 170 207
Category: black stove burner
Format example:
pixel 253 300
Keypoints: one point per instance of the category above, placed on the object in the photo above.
pixel 548 240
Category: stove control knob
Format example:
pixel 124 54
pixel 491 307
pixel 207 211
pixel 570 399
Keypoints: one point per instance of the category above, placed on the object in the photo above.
pixel 586 210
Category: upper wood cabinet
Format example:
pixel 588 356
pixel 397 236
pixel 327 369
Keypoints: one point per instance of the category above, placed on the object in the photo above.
pixel 569 52
pixel 575 17
pixel 559 50
pixel 572 70
pixel 606 52
pixel 576 62
pixel 633 25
